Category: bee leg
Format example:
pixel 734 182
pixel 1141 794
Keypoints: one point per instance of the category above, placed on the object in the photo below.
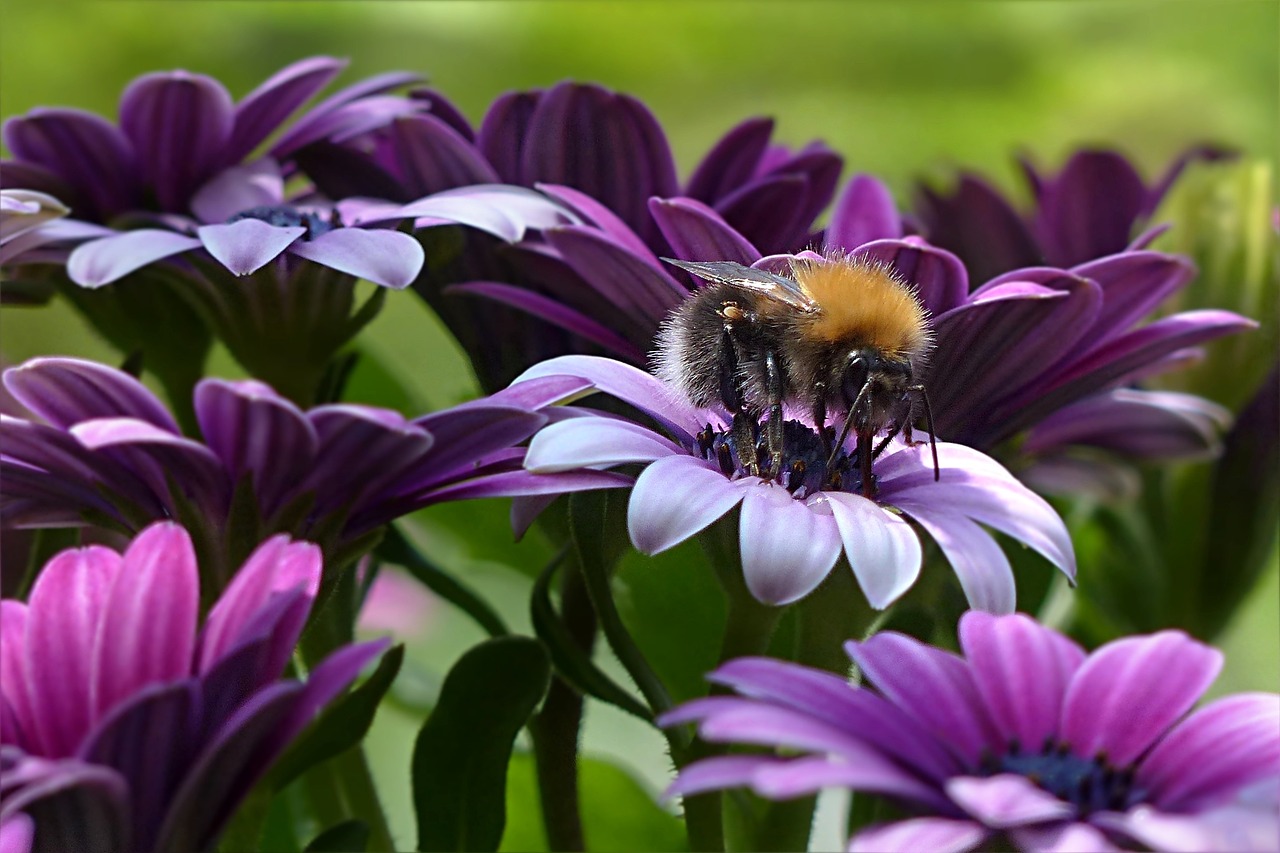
pixel 773 429
pixel 743 432
pixel 897 427
pixel 928 417
pixel 865 458
pixel 820 417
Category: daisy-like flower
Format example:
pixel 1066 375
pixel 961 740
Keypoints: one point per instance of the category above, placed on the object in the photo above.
pixel 1092 208
pixel 1024 741
pixel 796 525
pixel 604 144
pixel 126 725
pixel 178 131
pixel 109 453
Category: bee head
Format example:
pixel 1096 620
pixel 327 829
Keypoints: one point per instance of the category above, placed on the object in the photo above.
pixel 868 371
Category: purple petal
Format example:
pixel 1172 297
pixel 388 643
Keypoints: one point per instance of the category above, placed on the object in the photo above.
pixel 1128 693
pixel 326 681
pixel 432 156
pixel 629 384
pixel 253 430
pixel 503 211
pixel 788 546
pixel 938 276
pixel 16 833
pixel 768 213
pixel 981 567
pixel 1022 670
pixel 1133 285
pixel 23 211
pixel 675 498
pixel 978 225
pixel 593 211
pixel 883 550
pixel 103 261
pixel 179 124
pixel 622 162
pixel 66 606
pixel 933 686
pixel 715 774
pixel 463 437
pixel 65 391
pixel 75 806
pixel 275 567
pixel 731 162
pixel 553 312
pixel 226 769
pixel 634 283
pixel 266 107
pixel 85 150
pixel 595 443
pixel 1088 211
pixel 15 687
pixel 149 741
pixel 1062 838
pixel 520 483
pixel 365 452
pixel 820 166
pixel 147 632
pixel 1136 424
pixel 1230 828
pixel 832 699
pixel 936 834
pixel 1007 800
pixel 342 122
pixel 445 110
pixel 238 189
pixel 388 258
pixel 801 776
pixel 864 213
pixel 504 131
pixel 246 246
pixel 696 232
pixel 1214 753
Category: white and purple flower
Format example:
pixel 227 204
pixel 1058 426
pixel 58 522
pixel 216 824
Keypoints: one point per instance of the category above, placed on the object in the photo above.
pixel 1024 741
pixel 794 527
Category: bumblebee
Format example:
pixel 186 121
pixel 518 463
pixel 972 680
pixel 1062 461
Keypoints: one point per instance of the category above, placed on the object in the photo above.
pixel 842 336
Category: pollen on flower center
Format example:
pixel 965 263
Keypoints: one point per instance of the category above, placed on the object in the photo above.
pixel 288 216
pixel 804 467
pixel 1091 784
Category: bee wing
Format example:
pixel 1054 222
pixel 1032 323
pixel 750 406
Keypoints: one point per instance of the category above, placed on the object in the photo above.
pixel 749 278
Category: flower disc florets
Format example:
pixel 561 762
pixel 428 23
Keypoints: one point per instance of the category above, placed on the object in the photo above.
pixel 808 465
pixel 1091 785
pixel 288 216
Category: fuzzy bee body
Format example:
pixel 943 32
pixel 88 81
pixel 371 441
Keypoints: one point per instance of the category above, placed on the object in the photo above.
pixel 843 336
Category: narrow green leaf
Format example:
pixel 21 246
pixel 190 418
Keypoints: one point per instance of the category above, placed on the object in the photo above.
pixel 341 726
pixel 462 752
pixel 396 548
pixel 349 836
pixel 571 662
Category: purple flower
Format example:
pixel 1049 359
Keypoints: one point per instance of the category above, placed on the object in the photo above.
pixel 794 527
pixel 595 141
pixel 179 131
pixel 109 453
pixel 126 728
pixel 1089 210
pixel 1024 741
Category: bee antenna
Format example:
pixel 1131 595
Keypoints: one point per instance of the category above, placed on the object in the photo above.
pixel 848 421
pixel 933 443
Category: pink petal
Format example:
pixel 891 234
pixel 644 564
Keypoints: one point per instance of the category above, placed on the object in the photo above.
pixel 1007 800
pixel 935 834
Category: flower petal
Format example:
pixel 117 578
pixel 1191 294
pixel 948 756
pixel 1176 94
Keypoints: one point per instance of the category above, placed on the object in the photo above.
pixel 68 601
pixel 865 212
pixel 103 261
pixel 978 225
pixel 66 391
pixel 769 212
pixel 1022 670
pixel 179 124
pixel 674 498
pixel 388 258
pixel 634 283
pixel 237 189
pixel 75 806
pixel 15 687
pixel 504 131
pixel 731 162
pixel 1007 800
pixel 982 568
pixel 147 632
pixel 936 834
pixel 716 774
pixel 883 550
pixel 1128 693
pixel 595 443
pixel 1136 424
pixel 264 109
pixel 351 111
pixel 432 156
pixel 696 232
pixel 1233 828
pixel 933 686
pixel 1133 285
pixel 16 833
pixel 1063 838
pixel 787 546
pixel 1089 209
pixel 245 246
pixel 326 681
pixel 1212 754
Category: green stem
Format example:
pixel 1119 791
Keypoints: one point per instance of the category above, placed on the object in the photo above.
pixel 555 729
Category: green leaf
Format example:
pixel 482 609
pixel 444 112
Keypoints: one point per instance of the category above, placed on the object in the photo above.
pixel 572 663
pixel 345 837
pixel 396 548
pixel 462 752
pixel 341 726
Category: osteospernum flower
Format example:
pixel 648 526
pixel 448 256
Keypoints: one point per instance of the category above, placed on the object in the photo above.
pixel 1024 741
pixel 122 726
pixel 795 527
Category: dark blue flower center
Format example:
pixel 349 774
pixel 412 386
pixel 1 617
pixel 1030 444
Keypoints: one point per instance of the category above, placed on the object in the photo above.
pixel 1091 784
pixel 804 468
pixel 287 216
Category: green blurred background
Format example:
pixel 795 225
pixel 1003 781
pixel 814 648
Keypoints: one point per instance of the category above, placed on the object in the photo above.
pixel 904 90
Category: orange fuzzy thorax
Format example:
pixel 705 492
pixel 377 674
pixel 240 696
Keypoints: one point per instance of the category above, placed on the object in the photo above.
pixel 864 303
